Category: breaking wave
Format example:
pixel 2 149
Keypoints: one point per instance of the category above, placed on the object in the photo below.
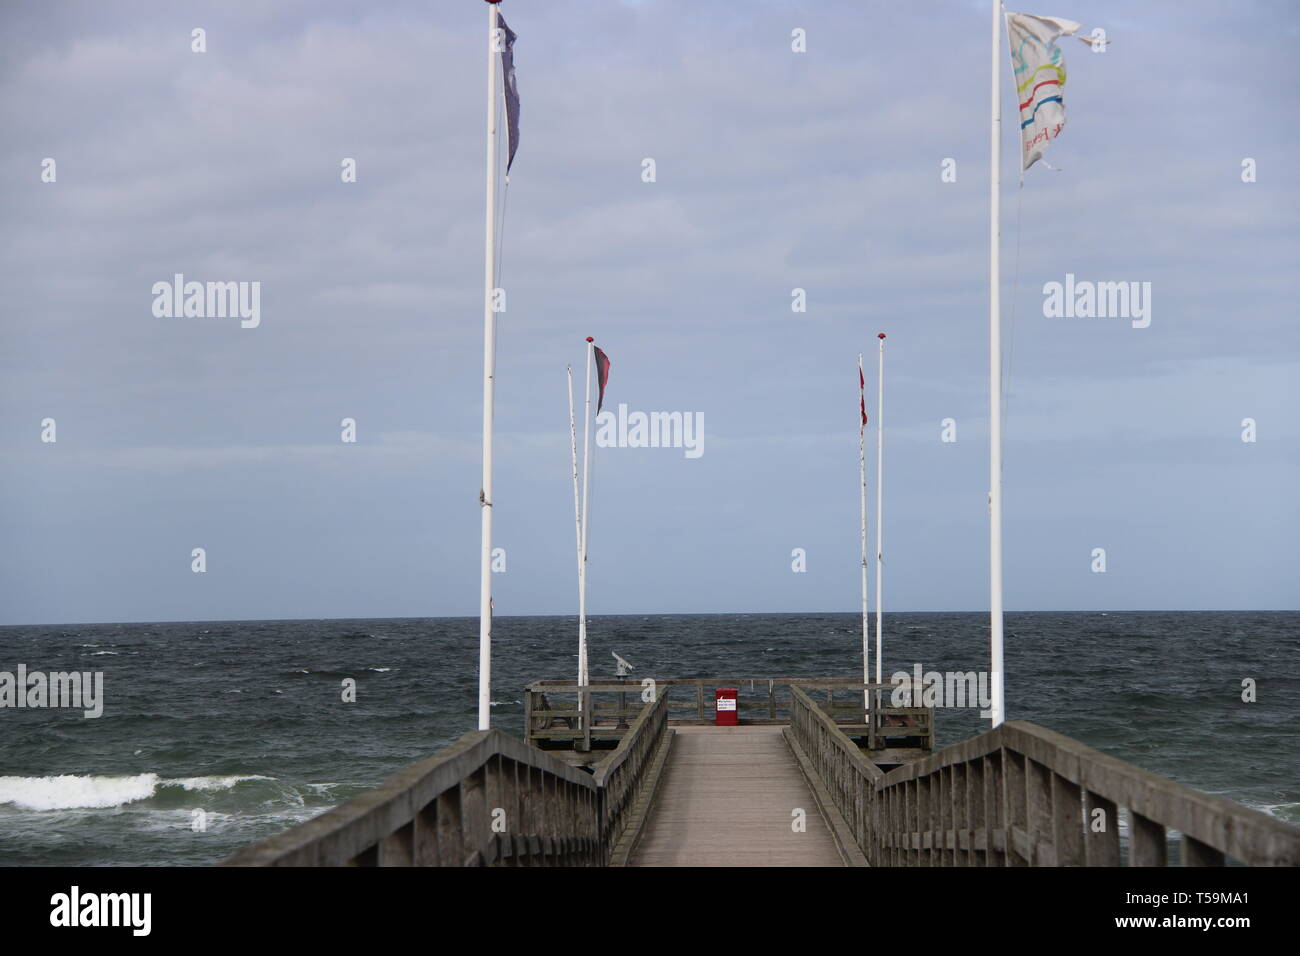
pixel 91 792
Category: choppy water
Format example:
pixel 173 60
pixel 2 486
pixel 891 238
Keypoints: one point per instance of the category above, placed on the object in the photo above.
pixel 244 720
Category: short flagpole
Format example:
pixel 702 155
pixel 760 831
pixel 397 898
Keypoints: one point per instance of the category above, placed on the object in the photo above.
pixel 862 473
pixel 880 512
pixel 489 373
pixel 582 567
pixel 995 383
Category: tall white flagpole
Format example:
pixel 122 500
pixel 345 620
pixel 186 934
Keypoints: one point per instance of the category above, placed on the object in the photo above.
pixel 582 567
pixel 880 506
pixel 489 372
pixel 995 383
pixel 573 457
pixel 862 472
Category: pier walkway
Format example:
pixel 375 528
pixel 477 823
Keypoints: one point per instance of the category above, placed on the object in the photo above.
pixel 734 796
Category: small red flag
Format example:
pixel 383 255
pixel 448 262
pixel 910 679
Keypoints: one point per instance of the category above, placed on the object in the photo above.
pixel 602 375
pixel 862 390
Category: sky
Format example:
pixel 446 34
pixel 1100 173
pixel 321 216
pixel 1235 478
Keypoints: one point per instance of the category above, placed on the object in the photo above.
pixel 775 170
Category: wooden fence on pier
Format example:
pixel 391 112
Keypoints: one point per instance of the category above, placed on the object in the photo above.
pixel 487 800
pixel 1022 795
pixel 568 715
pixel 1019 795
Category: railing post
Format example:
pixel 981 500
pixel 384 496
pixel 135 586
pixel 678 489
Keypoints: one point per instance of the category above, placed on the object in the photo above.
pixel 923 828
pixel 425 836
pixel 1196 853
pixel 451 836
pixel 961 809
pixel 1147 846
pixel 1101 835
pixel 873 718
pixel 910 825
pixel 1067 822
pixel 994 809
pixel 475 812
pixel 1013 799
pixel 514 808
pixel 398 848
pixel 888 832
pixel 944 786
pixel 545 816
pixel 1038 803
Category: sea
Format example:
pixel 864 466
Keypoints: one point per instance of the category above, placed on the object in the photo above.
pixel 217 734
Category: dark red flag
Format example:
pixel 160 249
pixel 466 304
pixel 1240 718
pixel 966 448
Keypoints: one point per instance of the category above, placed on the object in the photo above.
pixel 602 375
pixel 862 391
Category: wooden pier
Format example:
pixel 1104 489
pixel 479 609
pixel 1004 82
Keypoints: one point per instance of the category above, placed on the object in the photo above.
pixel 801 782
pixel 734 796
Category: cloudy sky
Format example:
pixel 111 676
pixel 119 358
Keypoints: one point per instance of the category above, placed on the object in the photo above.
pixel 775 170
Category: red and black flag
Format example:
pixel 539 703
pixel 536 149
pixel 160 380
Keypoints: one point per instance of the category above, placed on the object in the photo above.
pixel 862 393
pixel 602 375
pixel 511 89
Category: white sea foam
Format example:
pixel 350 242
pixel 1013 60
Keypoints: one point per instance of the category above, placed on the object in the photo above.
pixel 211 783
pixel 321 787
pixel 92 792
pixel 72 792
pixel 1286 812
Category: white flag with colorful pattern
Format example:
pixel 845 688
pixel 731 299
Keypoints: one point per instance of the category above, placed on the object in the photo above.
pixel 1039 69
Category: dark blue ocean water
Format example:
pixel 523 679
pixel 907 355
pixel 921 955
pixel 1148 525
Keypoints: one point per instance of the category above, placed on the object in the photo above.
pixel 244 720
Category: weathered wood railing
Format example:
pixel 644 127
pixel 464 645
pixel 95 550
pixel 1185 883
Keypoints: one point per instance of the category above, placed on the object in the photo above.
pixel 1022 795
pixel 488 799
pixel 845 772
pixel 621 777
pixel 552 712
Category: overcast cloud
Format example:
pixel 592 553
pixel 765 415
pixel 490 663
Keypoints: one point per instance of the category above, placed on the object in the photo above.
pixel 775 170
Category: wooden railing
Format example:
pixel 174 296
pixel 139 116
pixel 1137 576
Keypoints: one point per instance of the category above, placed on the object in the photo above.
pixel 1022 795
pixel 552 711
pixel 488 799
pixel 850 778
pixel 622 776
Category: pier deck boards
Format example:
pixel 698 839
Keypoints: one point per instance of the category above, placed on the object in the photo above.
pixel 726 800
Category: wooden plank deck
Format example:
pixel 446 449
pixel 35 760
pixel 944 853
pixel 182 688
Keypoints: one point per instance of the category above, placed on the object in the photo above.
pixel 727 799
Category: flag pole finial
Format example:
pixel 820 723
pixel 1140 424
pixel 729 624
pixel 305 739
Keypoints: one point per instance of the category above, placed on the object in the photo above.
pixel 590 339
pixel 881 335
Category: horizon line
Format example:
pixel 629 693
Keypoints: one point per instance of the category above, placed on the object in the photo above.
pixel 500 617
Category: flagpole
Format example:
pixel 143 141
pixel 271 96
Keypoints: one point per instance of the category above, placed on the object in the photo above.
pixel 573 457
pixel 880 512
pixel 582 566
pixel 489 372
pixel 995 383
pixel 862 473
